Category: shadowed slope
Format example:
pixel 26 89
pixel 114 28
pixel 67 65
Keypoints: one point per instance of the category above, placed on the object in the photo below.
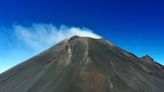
pixel 82 64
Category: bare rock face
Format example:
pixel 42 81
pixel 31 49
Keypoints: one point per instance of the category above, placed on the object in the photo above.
pixel 153 66
pixel 83 64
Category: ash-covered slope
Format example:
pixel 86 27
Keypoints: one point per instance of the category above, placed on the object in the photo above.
pixel 82 65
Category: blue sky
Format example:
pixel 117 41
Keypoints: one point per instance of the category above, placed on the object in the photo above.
pixel 134 25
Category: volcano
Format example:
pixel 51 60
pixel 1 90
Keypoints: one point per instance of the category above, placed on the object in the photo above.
pixel 82 64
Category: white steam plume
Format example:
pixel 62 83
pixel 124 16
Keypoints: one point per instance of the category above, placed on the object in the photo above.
pixel 44 35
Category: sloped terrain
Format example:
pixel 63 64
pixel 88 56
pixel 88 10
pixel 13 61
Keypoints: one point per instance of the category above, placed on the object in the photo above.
pixel 83 64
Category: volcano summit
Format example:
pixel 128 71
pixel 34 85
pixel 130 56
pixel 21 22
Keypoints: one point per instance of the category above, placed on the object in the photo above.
pixel 82 64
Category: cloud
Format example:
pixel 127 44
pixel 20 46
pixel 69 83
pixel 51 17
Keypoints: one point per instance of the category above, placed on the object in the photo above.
pixel 41 36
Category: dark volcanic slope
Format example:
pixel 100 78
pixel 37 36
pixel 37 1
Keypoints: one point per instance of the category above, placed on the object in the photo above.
pixel 83 65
